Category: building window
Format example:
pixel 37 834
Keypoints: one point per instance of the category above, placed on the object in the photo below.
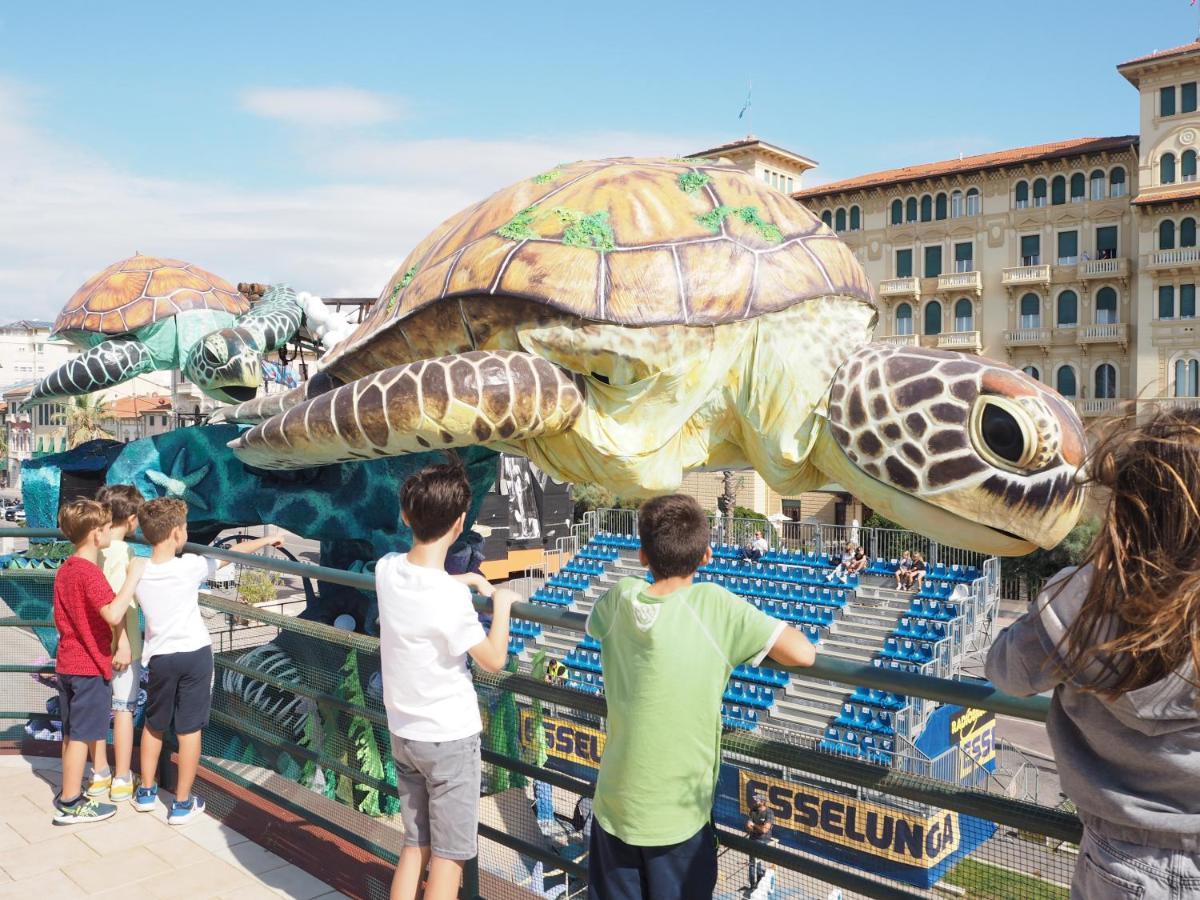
pixel 904 319
pixel 1166 101
pixel 1106 306
pixel 1068 310
pixel 1068 248
pixel 1032 372
pixel 1166 235
pixel 1116 182
pixel 855 218
pixel 1166 301
pixel 964 315
pixel 1187 232
pixel 964 257
pixel 956 205
pixel 897 212
pixel 827 218
pixel 1187 97
pixel 1064 381
pixel 933 317
pixel 1097 185
pixel 789 183
pixel 1105 382
pixel 974 206
pixel 1187 301
pixel 775 179
pixel 910 210
pixel 933 261
pixel 1031 250
pixel 1058 191
pixel 1166 169
pixel 1039 192
pixel 1078 188
pixel 1031 311
pixel 904 267
pixel 1187 165
pixel 1020 195
pixel 766 176
pixel 1187 378
pixel 839 221
pixel 939 207
pixel 1106 242
pixel 926 208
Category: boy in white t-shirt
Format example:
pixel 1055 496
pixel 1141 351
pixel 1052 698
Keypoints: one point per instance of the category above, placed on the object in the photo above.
pixel 427 628
pixel 177 651
pixel 125 502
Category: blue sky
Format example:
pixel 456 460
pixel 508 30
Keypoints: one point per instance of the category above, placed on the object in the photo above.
pixel 316 143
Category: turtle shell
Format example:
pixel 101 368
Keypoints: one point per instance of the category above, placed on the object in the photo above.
pixel 630 241
pixel 144 289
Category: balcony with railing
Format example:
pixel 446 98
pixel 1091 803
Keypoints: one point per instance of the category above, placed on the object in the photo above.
pixel 1096 408
pixel 1181 258
pixel 1027 337
pixel 1025 275
pixel 1110 333
pixel 296 754
pixel 960 281
pixel 900 287
pixel 967 341
pixel 1091 269
pixel 900 340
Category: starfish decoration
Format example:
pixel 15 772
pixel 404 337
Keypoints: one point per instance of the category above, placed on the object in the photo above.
pixel 180 482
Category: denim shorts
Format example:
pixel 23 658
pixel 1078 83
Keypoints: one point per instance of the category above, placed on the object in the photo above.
pixel 1108 869
pixel 126 685
pixel 438 783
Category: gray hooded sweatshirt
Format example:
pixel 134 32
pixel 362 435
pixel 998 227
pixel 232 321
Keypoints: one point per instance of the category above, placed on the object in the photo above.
pixel 1131 765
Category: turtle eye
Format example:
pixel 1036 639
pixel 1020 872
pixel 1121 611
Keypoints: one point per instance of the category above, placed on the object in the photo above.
pixel 1005 434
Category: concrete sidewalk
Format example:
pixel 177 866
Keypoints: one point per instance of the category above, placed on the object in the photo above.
pixel 132 855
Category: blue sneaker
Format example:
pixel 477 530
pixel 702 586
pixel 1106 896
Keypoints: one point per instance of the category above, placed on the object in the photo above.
pixel 183 812
pixel 145 798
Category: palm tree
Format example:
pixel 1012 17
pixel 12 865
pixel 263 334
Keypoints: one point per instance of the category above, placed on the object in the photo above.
pixel 83 417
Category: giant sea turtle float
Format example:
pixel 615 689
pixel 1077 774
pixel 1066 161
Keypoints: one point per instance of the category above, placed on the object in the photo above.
pixel 626 321
pixel 146 313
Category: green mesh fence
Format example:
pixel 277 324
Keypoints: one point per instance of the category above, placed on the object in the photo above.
pixel 298 718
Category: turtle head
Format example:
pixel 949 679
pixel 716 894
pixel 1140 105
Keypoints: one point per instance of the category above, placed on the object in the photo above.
pixel 226 365
pixel 967 450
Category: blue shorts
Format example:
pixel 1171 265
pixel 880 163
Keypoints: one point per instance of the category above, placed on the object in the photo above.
pixel 620 871
pixel 84 702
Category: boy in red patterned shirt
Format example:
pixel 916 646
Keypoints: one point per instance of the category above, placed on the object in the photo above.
pixel 85 613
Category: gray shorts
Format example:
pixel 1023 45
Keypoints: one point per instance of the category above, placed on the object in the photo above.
pixel 438 783
pixel 1108 869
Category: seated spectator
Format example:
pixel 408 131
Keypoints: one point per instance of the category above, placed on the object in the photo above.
pixel 842 570
pixel 918 572
pixel 858 561
pixel 904 571
pixel 757 549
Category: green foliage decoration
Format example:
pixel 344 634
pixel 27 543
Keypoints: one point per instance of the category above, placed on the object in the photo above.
pixel 401 285
pixel 503 737
pixel 520 226
pixel 362 736
pixel 691 182
pixel 590 231
pixel 748 214
pixel 547 177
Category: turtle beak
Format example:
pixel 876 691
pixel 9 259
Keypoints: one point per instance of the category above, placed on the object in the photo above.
pixel 227 366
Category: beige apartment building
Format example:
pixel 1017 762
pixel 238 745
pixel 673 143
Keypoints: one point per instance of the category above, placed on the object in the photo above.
pixel 1076 261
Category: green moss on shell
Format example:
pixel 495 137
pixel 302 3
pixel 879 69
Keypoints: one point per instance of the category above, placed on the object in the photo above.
pixel 588 230
pixel 520 226
pixel 547 177
pixel 691 182
pixel 748 214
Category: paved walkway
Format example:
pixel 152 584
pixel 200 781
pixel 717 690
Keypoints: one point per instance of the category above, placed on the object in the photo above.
pixel 132 855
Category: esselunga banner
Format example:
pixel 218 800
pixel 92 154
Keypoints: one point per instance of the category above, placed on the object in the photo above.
pixel 917 848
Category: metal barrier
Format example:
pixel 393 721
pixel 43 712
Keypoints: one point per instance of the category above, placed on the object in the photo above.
pixel 298 719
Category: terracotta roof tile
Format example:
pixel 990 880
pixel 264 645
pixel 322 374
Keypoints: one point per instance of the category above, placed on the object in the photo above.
pixel 1186 192
pixel 1162 54
pixel 978 163
pixel 132 407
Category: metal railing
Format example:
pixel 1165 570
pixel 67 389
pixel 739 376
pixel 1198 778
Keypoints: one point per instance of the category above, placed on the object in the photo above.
pixel 335 726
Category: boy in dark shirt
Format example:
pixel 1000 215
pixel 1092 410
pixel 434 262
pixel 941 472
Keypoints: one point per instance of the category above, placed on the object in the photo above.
pixel 85 613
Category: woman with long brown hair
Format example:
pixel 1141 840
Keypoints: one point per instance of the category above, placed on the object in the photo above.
pixel 1118 641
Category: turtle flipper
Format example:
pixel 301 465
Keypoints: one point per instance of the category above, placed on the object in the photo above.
pixel 481 397
pixel 227 363
pixel 104 365
pixel 264 407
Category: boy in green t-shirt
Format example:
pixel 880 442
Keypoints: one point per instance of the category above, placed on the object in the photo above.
pixel 668 649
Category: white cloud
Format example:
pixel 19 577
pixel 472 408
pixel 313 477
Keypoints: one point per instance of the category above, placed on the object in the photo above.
pixel 68 214
pixel 336 106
